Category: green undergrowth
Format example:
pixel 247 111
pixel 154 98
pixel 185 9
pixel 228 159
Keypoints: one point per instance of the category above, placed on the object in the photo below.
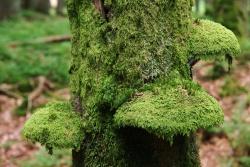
pixel 220 69
pixel 60 158
pixel 20 62
pixel 245 54
pixel 237 130
pixel 55 126
pixel 238 125
pixel 244 161
pixel 231 87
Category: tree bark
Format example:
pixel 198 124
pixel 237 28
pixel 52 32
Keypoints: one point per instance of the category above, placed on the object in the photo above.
pixel 9 8
pixel 78 155
pixel 148 150
pixel 78 158
pixel 60 7
pixel 42 6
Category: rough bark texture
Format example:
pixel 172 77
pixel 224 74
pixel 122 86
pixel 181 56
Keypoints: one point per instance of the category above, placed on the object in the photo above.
pixel 9 8
pixel 147 150
pixel 78 154
pixel 78 158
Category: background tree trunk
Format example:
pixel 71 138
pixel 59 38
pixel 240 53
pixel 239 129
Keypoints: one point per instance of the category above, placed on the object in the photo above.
pixel 60 7
pixel 232 14
pixel 9 8
pixel 42 6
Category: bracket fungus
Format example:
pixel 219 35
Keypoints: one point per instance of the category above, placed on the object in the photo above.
pixel 210 40
pixel 55 126
pixel 176 107
pixel 130 72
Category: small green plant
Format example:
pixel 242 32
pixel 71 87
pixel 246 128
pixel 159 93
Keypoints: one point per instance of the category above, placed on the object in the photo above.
pixel 43 159
pixel 244 161
pixel 231 87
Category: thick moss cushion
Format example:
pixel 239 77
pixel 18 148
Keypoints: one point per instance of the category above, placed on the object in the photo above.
pixel 166 111
pixel 209 40
pixel 55 125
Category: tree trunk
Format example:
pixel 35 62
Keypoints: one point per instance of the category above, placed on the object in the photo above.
pixel 147 150
pixel 42 6
pixel 197 6
pixel 77 158
pixel 78 155
pixel 110 45
pixel 9 8
pixel 60 7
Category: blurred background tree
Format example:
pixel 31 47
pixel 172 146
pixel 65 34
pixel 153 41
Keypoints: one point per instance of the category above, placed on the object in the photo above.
pixel 9 8
pixel 60 7
pixel 231 13
pixel 42 6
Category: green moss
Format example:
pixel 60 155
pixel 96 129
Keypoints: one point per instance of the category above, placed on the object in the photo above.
pixel 244 161
pixel 55 126
pixel 210 40
pixel 171 108
pixel 112 59
pixel 41 158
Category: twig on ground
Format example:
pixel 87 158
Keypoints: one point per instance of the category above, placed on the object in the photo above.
pixel 6 90
pixel 43 85
pixel 49 39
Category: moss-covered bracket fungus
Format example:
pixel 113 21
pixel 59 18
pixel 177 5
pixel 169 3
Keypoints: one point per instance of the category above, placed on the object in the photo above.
pixel 55 126
pixel 173 108
pixel 212 41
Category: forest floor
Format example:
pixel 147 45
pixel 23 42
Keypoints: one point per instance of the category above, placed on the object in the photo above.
pixel 33 73
pixel 227 146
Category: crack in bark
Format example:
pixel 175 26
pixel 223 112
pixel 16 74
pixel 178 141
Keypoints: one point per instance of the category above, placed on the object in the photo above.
pixel 99 5
pixel 78 155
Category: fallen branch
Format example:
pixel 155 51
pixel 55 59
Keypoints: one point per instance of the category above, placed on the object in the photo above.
pixel 49 39
pixel 43 85
pixel 6 90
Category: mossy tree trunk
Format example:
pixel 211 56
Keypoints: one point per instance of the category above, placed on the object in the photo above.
pixel 9 8
pixel 110 45
pixel 233 14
